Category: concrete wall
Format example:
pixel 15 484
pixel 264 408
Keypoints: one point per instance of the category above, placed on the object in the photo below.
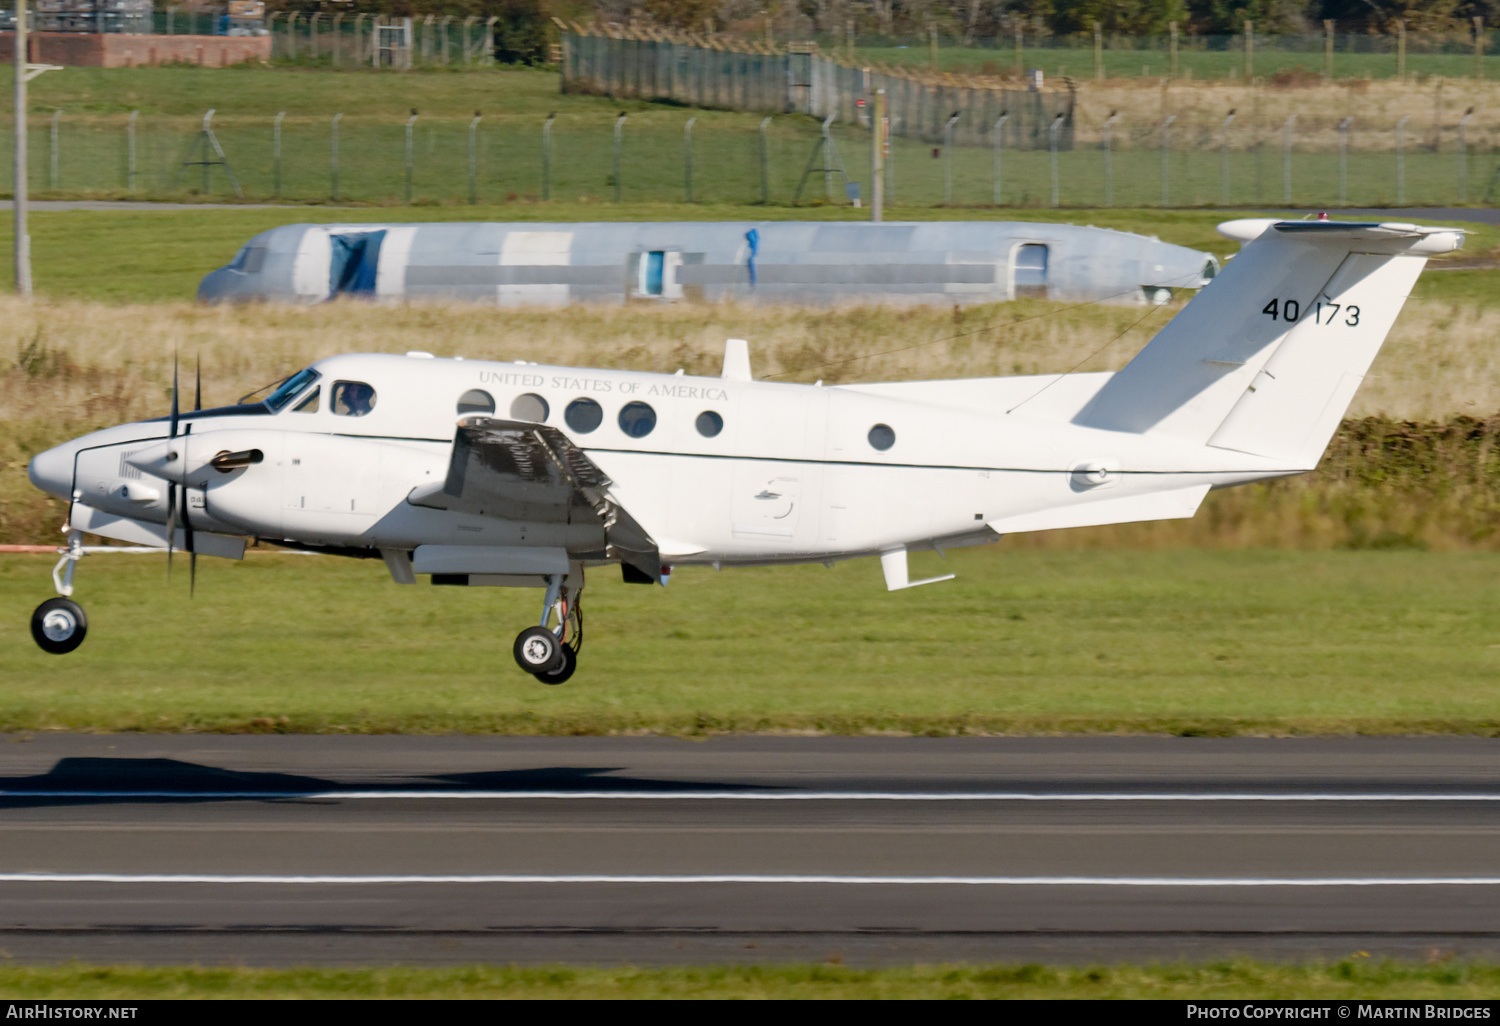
pixel 77 49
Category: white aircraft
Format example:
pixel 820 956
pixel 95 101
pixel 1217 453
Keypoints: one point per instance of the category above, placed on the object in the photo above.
pixel 358 455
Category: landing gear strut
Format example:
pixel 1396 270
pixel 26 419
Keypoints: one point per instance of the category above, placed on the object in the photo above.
pixel 59 624
pixel 550 654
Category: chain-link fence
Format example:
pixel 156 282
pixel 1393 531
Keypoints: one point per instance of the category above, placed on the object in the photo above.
pixel 1122 161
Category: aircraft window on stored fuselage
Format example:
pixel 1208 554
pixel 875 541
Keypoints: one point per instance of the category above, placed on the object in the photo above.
pixel 290 388
pixel 310 404
pixel 476 400
pixel 709 423
pixel 583 415
pixel 529 406
pixel 882 437
pixel 352 398
pixel 637 419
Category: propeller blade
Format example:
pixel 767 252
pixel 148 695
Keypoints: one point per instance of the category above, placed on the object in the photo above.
pixel 173 432
pixel 198 383
pixel 171 523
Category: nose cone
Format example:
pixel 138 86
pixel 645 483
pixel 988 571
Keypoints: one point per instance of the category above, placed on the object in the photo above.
pixel 52 471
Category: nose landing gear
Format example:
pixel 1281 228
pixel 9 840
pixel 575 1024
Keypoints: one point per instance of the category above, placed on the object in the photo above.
pixel 550 654
pixel 59 624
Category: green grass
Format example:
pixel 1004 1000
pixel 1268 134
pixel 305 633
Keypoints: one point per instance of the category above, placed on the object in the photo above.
pixel 1356 977
pixel 1175 641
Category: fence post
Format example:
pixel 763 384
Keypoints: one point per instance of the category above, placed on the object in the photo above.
pixel 619 133
pixel 948 157
pixel 1224 157
pixel 547 156
pixel 1052 131
pixel 468 46
pixel 1401 50
pixel 932 46
pixel 1172 61
pixel 312 32
pixel 276 154
pixel 291 34
pixel 1478 47
pixel 333 159
pixel 1401 159
pixel 765 184
pixel 130 150
pixel 1328 48
pixel 409 123
pixel 488 49
pixel 1249 51
pixel 1286 159
pixel 1109 159
pixel 687 157
pixel 52 178
pixel 1098 53
pixel 1020 51
pixel 338 39
pixel 1463 155
pixel 1166 136
pixel 998 142
pixel 1344 162
pixel 474 159
pixel 443 25
pixel 879 143
pixel 359 28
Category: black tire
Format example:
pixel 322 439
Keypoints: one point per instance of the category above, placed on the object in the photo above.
pixel 563 672
pixel 59 626
pixel 537 650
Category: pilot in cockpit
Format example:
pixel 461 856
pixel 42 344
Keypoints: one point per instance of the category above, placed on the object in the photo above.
pixel 353 398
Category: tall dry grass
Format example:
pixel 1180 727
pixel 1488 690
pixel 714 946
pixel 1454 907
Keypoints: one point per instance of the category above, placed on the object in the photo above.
pixel 70 367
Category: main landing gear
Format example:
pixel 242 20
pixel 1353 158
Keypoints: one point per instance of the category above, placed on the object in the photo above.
pixel 550 654
pixel 59 624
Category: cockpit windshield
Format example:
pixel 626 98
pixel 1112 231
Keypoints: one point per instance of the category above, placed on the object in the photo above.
pixel 291 388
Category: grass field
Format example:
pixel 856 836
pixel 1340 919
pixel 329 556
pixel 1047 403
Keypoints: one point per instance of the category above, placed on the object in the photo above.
pixel 1174 641
pixel 92 107
pixel 1355 977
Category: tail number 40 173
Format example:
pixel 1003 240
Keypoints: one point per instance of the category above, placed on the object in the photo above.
pixel 1323 313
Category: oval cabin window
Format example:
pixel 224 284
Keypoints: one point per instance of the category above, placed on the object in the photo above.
pixel 709 423
pixel 583 415
pixel 529 406
pixel 637 419
pixel 476 400
pixel 882 437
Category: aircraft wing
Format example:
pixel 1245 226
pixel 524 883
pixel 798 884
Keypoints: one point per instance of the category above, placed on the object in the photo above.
pixel 516 470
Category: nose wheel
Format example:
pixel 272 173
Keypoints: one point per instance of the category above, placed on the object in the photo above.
pixel 550 654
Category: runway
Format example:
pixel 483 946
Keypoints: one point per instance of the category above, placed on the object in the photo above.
pixel 274 850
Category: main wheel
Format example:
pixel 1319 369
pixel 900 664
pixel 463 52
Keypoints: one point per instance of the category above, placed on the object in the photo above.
pixel 59 626
pixel 563 672
pixel 537 650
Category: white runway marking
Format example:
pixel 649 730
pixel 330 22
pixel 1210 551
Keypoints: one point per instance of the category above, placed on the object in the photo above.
pixel 760 878
pixel 775 796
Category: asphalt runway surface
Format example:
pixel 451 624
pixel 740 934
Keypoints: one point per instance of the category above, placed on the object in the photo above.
pixel 276 850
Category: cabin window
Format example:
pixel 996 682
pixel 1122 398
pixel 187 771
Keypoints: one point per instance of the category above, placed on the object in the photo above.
pixel 249 260
pixel 290 388
pixel 583 415
pixel 476 400
pixel 352 398
pixel 1030 271
pixel 709 423
pixel 637 419
pixel 882 437
pixel 529 406
pixel 310 404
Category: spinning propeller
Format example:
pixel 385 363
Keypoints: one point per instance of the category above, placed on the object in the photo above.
pixel 187 520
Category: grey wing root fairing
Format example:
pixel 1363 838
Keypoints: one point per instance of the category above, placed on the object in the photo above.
pixel 525 472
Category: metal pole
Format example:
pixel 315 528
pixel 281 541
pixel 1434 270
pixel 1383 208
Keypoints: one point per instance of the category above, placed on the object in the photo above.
pixel 687 157
pixel 619 133
pixel 1286 159
pixel 276 153
pixel 1098 53
pixel 765 183
pixel 22 239
pixel 207 120
pixel 948 158
pixel 1109 159
pixel 1344 162
pixel 474 159
pixel 1052 132
pixel 879 142
pixel 827 154
pixel 1401 160
pixel 1166 135
pixel 1172 60
pixel 52 176
pixel 1224 156
pixel 130 150
pixel 1463 154
pixel 333 160
pixel 409 123
pixel 547 156
pixel 998 141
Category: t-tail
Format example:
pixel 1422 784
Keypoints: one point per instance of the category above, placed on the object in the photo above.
pixel 1267 358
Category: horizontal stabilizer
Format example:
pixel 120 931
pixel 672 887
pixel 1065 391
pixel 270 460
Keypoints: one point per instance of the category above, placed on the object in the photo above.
pixel 1172 505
